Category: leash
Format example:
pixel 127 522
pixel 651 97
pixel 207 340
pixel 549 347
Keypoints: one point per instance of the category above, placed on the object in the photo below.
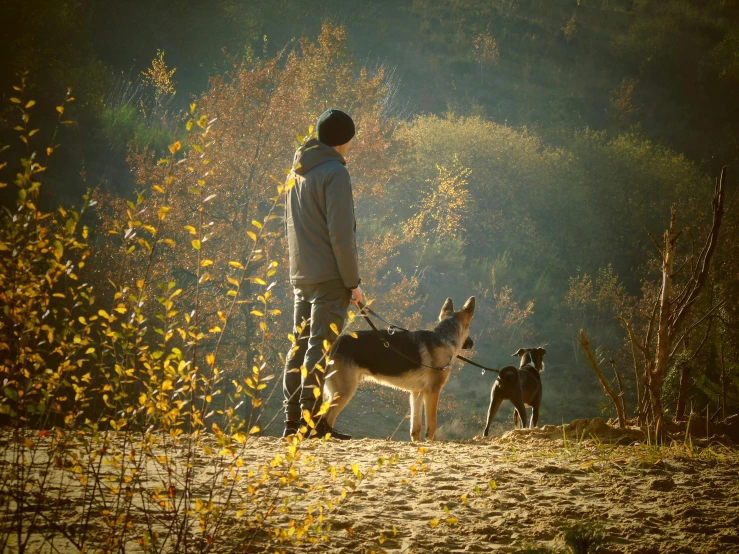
pixel 392 328
pixel 484 369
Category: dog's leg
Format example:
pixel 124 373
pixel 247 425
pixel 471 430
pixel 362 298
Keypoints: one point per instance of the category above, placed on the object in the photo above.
pixel 431 404
pixel 416 415
pixel 536 402
pixel 535 412
pixel 339 389
pixel 515 419
pixel 520 411
pixel 495 402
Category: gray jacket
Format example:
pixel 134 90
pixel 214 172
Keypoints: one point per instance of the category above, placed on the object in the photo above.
pixel 319 218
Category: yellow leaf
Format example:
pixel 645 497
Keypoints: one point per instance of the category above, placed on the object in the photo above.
pixel 334 328
pixel 433 523
pixel 254 430
pixel 256 224
pixel 175 147
pixel 355 469
pixel 233 281
pixel 196 244
pixel 259 281
pixel 257 313
pixel 252 236
pixel 190 229
pixel 451 520
pixel 49 150
pixel 31 104
pixel 15 100
pixel 206 263
pixel 192 107
pixel 215 329
pixel 60 109
pixel 237 265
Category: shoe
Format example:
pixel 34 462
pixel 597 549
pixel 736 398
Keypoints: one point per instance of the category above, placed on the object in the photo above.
pixel 291 428
pixel 322 429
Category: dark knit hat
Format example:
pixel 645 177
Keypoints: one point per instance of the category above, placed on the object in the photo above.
pixel 335 127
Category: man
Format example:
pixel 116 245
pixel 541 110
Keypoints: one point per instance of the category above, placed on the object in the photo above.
pixel 320 226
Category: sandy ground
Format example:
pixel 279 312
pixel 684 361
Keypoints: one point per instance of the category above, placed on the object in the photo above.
pixel 500 494
pixel 524 488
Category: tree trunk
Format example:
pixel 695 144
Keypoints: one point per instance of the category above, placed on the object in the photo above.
pixel 659 369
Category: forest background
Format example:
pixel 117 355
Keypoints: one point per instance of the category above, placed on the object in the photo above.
pixel 518 151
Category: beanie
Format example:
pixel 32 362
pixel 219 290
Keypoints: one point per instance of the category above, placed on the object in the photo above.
pixel 335 127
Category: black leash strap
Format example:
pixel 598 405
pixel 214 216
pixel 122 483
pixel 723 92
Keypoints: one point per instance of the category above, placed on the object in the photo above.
pixel 484 369
pixel 364 310
pixel 391 326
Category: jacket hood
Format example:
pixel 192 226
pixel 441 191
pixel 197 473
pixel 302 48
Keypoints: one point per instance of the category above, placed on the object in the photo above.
pixel 313 153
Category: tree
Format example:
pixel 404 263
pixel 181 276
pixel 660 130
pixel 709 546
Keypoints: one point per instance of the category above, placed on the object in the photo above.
pixel 673 318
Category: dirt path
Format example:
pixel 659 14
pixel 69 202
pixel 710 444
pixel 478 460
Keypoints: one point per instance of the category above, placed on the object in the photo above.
pixel 500 495
pixel 524 488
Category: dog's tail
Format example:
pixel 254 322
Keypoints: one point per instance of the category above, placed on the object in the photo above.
pixel 508 376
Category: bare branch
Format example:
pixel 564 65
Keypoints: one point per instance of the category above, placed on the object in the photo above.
pixel 674 273
pixel 654 240
pixel 583 341
pixel 694 325
pixel 705 337
pixel 698 279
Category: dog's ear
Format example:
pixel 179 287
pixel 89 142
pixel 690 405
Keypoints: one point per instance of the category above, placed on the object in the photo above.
pixel 469 306
pixel 542 350
pixel 447 309
pixel 521 352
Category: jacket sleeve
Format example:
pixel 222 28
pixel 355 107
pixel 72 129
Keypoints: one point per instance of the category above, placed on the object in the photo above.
pixel 342 226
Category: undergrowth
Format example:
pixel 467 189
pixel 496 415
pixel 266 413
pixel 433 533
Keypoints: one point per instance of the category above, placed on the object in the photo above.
pixel 120 429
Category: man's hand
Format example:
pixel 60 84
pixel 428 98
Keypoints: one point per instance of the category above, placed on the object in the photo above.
pixel 357 296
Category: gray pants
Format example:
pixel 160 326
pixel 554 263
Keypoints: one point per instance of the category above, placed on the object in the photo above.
pixel 316 308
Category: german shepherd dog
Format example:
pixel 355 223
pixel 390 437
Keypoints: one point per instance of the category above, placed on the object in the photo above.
pixel 415 361
pixel 522 386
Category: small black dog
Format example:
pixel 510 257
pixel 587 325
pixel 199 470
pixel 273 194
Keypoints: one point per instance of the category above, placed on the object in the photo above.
pixel 522 386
